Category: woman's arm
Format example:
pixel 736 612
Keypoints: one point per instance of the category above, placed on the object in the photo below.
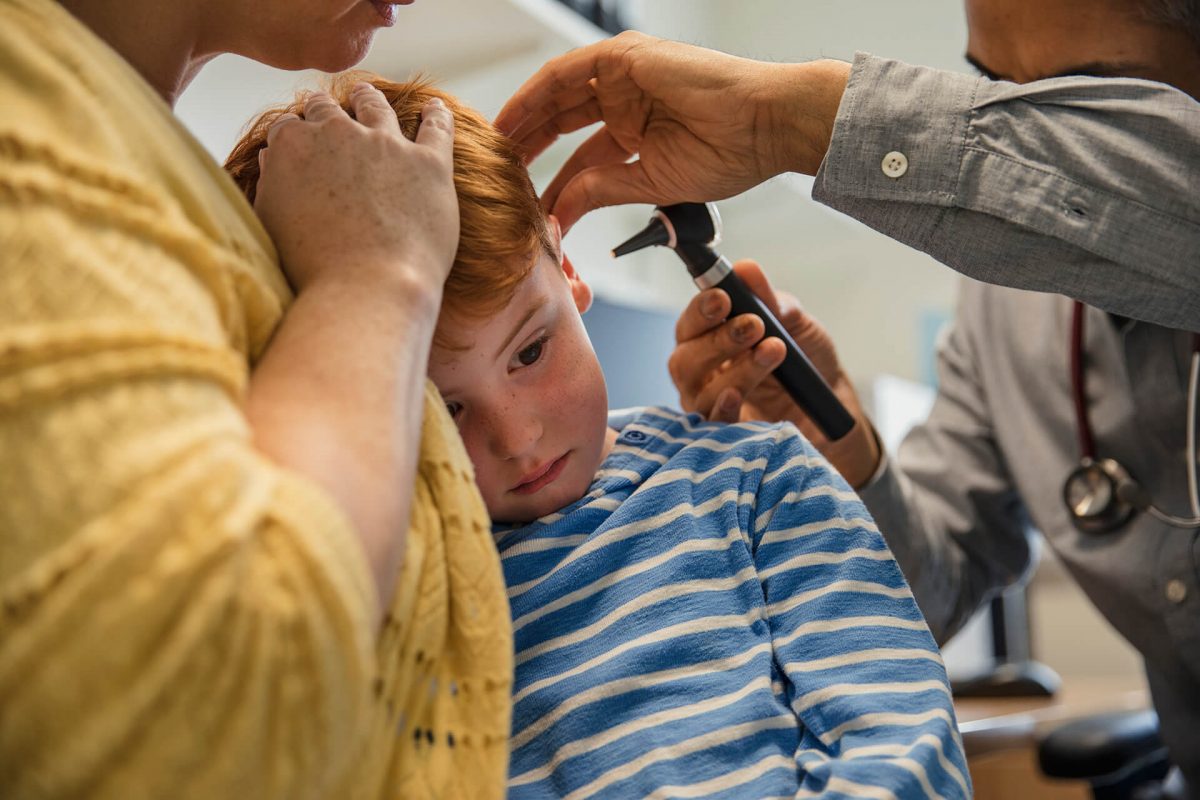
pixel 183 615
pixel 339 394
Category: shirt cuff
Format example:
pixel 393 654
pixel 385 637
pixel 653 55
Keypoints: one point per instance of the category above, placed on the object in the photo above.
pixel 883 495
pixel 890 108
pixel 880 468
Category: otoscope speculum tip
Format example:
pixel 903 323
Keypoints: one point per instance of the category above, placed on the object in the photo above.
pixel 656 233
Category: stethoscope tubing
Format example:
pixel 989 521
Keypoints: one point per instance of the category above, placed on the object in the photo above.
pixel 1087 441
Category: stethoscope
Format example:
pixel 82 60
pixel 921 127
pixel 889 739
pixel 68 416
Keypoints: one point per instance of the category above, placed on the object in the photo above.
pixel 1100 494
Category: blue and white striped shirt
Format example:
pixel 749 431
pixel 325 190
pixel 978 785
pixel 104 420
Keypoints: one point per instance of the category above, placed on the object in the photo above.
pixel 719 617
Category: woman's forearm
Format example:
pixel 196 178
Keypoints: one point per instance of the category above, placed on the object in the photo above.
pixel 338 398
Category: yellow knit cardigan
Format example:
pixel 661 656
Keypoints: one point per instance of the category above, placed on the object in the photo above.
pixel 179 617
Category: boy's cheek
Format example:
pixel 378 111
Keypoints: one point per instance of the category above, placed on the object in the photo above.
pixel 481 474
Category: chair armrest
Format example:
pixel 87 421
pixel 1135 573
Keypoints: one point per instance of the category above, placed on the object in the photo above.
pixel 1104 748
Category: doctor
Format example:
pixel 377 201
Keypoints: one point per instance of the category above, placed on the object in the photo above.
pixel 1051 413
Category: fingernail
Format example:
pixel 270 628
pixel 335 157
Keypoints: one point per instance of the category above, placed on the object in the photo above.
pixel 710 307
pixel 762 357
pixel 741 330
pixel 729 402
pixel 512 127
pixel 435 102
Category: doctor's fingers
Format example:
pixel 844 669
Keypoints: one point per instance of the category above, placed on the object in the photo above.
pixel 603 186
pixel 756 280
pixel 599 149
pixel 696 360
pixel 720 400
pixel 704 312
pixel 562 83
pixel 536 140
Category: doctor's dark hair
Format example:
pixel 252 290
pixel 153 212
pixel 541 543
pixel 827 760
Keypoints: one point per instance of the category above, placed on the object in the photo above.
pixel 1180 14
pixel 503 229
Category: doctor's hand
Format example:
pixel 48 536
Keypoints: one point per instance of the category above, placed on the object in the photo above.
pixel 722 369
pixel 704 125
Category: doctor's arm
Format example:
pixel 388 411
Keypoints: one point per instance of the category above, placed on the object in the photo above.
pixel 1081 186
pixel 946 502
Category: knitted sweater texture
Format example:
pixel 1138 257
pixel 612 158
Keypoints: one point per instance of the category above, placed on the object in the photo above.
pixel 179 616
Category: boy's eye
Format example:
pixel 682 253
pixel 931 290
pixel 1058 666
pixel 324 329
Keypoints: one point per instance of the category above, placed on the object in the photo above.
pixel 532 353
pixel 453 409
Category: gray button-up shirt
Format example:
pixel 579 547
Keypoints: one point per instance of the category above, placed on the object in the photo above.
pixel 1084 187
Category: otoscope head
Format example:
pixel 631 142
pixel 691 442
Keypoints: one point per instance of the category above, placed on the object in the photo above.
pixel 673 226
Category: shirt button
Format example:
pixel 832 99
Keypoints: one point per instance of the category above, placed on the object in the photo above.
pixel 1176 591
pixel 895 164
pixel 635 436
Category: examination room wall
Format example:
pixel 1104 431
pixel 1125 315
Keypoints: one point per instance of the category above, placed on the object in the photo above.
pixel 881 301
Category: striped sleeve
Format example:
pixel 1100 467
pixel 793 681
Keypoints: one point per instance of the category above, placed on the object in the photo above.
pixel 862 671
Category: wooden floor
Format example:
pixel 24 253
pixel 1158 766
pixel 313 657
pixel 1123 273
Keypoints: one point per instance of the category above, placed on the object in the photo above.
pixel 1014 775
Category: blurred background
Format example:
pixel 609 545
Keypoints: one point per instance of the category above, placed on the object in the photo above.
pixel 882 302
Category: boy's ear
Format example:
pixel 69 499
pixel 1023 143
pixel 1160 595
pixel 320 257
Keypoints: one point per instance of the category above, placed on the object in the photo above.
pixel 555 236
pixel 580 291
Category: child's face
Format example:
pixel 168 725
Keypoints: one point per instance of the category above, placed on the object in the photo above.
pixel 528 396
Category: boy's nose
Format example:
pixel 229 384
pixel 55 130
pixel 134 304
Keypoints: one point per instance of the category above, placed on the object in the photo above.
pixel 514 434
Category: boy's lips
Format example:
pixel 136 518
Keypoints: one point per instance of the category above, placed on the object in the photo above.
pixel 542 476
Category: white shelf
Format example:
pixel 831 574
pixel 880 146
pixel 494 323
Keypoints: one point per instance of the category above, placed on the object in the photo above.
pixel 449 38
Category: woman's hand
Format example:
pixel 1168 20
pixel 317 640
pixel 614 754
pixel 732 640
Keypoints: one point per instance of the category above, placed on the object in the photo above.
pixel 722 369
pixel 704 124
pixel 353 199
pixel 366 223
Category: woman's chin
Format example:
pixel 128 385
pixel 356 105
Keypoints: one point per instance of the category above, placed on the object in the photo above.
pixel 327 56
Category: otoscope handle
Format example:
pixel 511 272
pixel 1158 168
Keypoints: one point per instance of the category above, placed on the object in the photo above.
pixel 796 374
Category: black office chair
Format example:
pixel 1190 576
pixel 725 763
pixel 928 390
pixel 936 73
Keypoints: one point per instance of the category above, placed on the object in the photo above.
pixel 1013 671
pixel 1119 754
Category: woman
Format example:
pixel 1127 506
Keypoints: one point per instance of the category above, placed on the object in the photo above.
pixel 208 464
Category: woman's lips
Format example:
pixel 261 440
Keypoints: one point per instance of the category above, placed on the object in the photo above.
pixel 387 11
pixel 542 478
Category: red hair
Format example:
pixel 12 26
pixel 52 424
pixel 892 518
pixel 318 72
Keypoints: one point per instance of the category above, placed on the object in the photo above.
pixel 503 228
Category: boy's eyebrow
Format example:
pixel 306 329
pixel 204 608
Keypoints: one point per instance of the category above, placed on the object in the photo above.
pixel 517 329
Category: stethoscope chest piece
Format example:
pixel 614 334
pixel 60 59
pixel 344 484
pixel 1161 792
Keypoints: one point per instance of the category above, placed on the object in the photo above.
pixel 1100 494
pixel 1094 493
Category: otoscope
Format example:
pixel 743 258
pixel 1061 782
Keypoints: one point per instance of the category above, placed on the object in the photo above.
pixel 692 230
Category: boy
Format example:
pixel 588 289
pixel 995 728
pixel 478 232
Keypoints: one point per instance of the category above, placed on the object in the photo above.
pixel 698 609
